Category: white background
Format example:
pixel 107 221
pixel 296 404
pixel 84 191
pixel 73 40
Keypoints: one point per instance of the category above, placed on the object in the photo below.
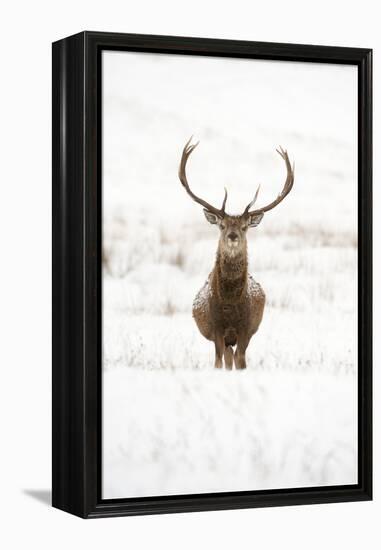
pixel 27 29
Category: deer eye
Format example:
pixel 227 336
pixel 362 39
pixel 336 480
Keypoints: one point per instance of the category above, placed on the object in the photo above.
pixel 244 227
pixel 222 226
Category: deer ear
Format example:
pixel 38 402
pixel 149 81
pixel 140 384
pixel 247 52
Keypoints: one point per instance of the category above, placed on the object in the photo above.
pixel 255 219
pixel 212 218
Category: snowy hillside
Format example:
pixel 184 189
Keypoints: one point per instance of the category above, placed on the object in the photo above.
pixel 172 424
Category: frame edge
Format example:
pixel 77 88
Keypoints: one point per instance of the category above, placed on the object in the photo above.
pixel 68 471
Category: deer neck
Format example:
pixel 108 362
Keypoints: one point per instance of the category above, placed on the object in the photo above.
pixel 230 274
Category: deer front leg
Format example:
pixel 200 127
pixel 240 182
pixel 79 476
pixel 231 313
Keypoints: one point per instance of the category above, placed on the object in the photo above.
pixel 239 356
pixel 219 347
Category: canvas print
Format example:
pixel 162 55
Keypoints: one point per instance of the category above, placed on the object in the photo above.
pixel 229 274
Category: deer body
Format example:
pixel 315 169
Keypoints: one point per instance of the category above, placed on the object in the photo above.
pixel 229 308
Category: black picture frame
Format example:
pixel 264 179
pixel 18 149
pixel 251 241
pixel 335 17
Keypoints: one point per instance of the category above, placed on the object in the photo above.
pixel 77 300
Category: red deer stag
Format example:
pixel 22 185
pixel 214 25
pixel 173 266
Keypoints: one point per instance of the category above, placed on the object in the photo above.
pixel 229 308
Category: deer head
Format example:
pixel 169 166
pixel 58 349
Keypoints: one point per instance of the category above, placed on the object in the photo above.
pixel 233 229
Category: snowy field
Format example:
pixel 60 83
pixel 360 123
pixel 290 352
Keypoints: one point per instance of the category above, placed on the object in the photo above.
pixel 171 423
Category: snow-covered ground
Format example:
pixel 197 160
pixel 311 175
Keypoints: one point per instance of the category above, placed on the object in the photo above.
pixel 172 424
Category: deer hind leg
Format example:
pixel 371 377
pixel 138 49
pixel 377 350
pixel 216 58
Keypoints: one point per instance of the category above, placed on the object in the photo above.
pixel 239 356
pixel 219 346
pixel 230 340
pixel 228 357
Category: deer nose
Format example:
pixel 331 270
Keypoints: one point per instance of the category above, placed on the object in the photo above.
pixel 233 236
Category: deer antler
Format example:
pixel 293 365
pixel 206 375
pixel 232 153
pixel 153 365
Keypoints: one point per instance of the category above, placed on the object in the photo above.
pixel 183 178
pixel 285 191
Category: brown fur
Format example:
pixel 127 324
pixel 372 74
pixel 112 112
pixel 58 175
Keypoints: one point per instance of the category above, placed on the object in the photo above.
pixel 229 308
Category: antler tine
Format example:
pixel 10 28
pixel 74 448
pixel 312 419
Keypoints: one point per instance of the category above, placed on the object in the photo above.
pixel 188 148
pixel 286 187
pixel 224 201
pixel 253 201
